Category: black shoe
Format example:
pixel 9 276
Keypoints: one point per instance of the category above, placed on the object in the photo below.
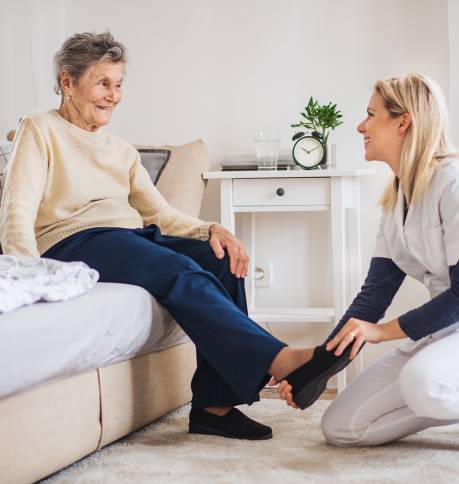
pixel 310 380
pixel 234 425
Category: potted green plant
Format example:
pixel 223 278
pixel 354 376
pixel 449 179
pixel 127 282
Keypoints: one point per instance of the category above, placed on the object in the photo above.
pixel 319 119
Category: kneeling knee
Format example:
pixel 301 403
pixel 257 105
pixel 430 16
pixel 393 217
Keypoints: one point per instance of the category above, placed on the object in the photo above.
pixel 330 432
pixel 427 393
pixel 337 431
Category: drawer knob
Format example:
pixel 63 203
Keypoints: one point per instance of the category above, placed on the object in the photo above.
pixel 280 192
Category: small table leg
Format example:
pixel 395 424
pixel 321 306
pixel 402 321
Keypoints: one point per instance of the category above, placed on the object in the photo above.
pixel 338 236
pixel 226 205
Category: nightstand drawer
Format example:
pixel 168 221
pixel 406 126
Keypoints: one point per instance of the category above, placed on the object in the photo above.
pixel 281 191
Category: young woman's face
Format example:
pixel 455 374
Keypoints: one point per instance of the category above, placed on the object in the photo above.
pixel 382 137
pixel 97 93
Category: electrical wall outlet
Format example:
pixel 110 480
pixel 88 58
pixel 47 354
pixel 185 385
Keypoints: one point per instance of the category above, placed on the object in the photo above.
pixel 264 274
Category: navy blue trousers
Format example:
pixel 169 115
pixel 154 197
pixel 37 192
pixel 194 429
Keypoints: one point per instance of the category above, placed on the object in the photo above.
pixel 207 301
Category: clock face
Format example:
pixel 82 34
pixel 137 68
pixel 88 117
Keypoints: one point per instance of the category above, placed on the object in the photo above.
pixel 308 152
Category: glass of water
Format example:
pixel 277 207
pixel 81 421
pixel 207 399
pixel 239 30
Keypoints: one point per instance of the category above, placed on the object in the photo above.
pixel 266 143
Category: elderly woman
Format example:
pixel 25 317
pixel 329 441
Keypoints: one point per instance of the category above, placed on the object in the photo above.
pixel 74 191
pixel 415 386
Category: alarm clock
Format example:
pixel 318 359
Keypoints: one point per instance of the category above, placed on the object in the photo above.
pixel 308 151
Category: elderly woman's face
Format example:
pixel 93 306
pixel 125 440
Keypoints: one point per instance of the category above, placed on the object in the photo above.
pixel 97 93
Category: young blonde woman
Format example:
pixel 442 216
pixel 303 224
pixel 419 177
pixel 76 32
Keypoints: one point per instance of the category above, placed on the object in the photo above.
pixel 417 385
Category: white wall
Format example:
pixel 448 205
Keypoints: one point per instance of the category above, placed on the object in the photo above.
pixel 30 33
pixel 217 70
pixel 453 22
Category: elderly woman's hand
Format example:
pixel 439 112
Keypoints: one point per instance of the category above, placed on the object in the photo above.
pixel 221 239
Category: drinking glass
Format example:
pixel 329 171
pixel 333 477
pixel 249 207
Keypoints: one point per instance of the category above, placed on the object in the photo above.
pixel 266 143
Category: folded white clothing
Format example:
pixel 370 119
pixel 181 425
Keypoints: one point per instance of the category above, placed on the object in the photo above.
pixel 25 280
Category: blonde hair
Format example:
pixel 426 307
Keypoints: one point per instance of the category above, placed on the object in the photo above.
pixel 427 141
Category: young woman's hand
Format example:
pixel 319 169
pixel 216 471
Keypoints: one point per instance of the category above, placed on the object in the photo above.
pixel 355 332
pixel 221 239
pixel 284 390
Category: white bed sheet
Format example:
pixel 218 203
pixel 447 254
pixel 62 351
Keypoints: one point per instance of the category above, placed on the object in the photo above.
pixel 111 323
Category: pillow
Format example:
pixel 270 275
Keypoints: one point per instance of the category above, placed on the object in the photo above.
pixel 180 181
pixel 154 160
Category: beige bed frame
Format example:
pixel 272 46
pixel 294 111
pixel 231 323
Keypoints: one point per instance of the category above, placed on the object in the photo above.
pixel 52 426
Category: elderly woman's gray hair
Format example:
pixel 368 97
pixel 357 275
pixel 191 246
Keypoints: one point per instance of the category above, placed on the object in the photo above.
pixel 81 51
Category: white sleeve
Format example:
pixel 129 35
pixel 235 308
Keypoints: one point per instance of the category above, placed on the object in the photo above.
pixel 381 246
pixel 449 213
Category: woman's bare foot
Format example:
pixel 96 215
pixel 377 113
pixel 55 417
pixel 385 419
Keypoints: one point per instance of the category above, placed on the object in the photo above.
pixel 289 359
pixel 286 361
pixel 303 386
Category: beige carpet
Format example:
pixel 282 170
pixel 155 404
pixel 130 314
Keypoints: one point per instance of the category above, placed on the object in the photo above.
pixel 163 452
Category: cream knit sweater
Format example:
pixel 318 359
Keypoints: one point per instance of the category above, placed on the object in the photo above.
pixel 62 179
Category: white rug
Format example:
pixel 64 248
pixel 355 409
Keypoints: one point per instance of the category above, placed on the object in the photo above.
pixel 163 452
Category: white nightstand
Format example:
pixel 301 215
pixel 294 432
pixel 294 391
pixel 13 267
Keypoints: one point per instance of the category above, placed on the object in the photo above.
pixel 336 191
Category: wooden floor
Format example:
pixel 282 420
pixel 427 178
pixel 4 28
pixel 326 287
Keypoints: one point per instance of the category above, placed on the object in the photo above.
pixel 272 393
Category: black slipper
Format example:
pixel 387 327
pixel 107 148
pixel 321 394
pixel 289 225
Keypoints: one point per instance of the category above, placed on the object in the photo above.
pixel 310 380
pixel 234 425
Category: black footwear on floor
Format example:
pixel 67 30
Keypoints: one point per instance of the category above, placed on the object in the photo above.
pixel 310 380
pixel 234 425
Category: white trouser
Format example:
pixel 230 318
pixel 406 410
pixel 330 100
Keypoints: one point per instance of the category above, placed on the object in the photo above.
pixel 402 393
